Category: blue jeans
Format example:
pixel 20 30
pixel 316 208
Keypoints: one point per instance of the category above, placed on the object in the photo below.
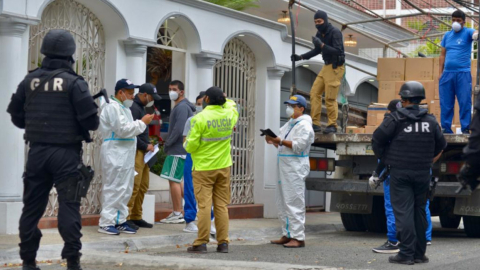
pixel 391 229
pixel 457 84
pixel 190 207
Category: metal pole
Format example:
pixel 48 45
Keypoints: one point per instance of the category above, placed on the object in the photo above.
pixel 384 8
pixel 426 13
pixel 470 16
pixel 362 70
pixel 293 89
pixel 409 39
pixel 389 18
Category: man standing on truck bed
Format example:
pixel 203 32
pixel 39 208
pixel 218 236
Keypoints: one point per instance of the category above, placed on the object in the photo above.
pixel 455 77
pixel 408 141
pixel 329 42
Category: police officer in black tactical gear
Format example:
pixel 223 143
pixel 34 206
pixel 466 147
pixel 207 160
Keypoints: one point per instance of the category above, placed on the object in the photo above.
pixel 470 172
pixel 54 106
pixel 409 141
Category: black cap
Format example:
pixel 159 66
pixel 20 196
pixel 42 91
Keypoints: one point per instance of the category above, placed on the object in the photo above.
pixel 149 89
pixel 125 84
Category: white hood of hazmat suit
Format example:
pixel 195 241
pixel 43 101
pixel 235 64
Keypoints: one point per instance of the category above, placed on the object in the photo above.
pixel 117 160
pixel 293 169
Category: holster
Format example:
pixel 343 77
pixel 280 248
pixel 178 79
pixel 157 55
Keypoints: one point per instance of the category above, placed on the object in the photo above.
pixel 433 186
pixel 74 188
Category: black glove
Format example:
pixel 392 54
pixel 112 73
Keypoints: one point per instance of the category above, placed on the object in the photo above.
pixel 469 176
pixel 296 57
pixel 317 42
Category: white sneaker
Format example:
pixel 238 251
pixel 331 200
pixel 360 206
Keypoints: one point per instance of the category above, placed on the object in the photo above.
pixel 191 228
pixel 213 231
pixel 173 219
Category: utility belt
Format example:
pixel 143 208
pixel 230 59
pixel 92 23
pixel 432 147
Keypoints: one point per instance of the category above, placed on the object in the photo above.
pixel 335 61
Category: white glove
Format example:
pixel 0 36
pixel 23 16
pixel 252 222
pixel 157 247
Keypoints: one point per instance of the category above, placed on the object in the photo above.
pixel 373 181
pixel 475 36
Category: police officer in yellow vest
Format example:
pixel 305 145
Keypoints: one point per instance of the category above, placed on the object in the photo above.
pixel 209 144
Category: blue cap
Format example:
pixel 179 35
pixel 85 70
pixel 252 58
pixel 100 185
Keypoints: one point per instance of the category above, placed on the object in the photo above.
pixel 297 100
pixel 125 84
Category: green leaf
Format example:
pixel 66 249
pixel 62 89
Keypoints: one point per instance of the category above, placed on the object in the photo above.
pixel 235 4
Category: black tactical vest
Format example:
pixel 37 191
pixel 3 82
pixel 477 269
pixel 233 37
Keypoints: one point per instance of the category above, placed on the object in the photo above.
pixel 50 116
pixel 413 146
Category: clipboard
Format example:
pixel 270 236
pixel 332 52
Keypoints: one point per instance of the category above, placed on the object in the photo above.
pixel 268 132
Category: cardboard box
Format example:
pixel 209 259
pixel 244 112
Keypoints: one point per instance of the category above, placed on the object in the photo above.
pixel 355 130
pixel 380 118
pixel 429 90
pixel 374 110
pixel 436 68
pixel 388 90
pixel 434 108
pixel 473 70
pixel 391 69
pixel 419 69
pixel 437 89
pixel 456 114
pixel 370 129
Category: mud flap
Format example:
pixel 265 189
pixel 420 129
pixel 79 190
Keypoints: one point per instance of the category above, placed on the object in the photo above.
pixel 469 206
pixel 351 203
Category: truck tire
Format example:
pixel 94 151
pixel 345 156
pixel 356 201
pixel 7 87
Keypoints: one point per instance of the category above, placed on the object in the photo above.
pixel 450 221
pixel 376 221
pixel 472 226
pixel 353 222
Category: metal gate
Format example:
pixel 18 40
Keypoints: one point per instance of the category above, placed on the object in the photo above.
pixel 236 75
pixel 90 62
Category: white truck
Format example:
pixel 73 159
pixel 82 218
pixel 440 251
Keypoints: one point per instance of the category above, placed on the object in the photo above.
pixel 362 208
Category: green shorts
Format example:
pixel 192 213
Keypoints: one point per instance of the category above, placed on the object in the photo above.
pixel 173 169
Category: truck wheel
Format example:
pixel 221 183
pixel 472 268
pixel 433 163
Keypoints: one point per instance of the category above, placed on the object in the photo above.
pixel 376 221
pixel 450 221
pixel 472 226
pixel 353 222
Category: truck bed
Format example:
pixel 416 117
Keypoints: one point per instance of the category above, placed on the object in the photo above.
pixel 330 141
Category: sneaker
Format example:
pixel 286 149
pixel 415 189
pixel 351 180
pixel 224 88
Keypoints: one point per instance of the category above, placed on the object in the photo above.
pixel 429 243
pixel 222 248
pixel 124 228
pixel 399 260
pixel 422 260
pixel 133 225
pixel 466 132
pixel 109 230
pixel 330 130
pixel 317 128
pixel 387 248
pixel 142 224
pixel 173 219
pixel 191 228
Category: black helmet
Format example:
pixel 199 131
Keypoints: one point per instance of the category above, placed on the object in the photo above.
pixel 58 42
pixel 412 89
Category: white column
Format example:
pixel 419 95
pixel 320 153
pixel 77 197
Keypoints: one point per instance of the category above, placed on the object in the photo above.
pixel 136 62
pixel 266 162
pixel 205 63
pixel 398 11
pixel 12 157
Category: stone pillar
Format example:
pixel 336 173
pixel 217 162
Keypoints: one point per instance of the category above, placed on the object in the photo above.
pixel 268 117
pixel 205 63
pixel 136 62
pixel 13 55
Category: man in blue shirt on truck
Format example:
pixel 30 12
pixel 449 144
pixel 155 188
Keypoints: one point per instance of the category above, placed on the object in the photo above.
pixel 455 77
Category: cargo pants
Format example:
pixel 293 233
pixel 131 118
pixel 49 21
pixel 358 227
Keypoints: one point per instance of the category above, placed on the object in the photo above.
pixel 140 187
pixel 212 186
pixel 328 81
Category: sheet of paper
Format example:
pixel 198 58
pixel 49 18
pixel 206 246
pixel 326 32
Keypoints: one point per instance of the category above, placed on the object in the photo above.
pixel 135 174
pixel 149 154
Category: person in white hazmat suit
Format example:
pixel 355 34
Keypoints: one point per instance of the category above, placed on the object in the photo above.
pixel 117 157
pixel 293 144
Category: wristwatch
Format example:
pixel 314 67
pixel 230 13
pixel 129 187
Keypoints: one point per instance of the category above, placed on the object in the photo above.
pixel 281 142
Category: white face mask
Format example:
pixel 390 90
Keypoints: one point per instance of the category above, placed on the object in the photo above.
pixel 198 109
pixel 173 95
pixel 456 26
pixel 149 103
pixel 289 111
pixel 127 102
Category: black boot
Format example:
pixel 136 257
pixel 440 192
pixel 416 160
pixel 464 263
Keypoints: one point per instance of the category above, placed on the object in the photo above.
pixel 73 263
pixel 29 266
pixel 399 260
pixel 330 130
pixel 316 128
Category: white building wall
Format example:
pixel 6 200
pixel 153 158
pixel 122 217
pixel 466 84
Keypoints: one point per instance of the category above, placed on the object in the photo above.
pixel 207 28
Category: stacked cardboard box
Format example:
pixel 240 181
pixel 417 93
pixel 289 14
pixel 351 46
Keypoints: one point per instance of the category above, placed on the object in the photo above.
pixel 355 130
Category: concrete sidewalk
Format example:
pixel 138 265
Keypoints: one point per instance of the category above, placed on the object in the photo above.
pixel 97 245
